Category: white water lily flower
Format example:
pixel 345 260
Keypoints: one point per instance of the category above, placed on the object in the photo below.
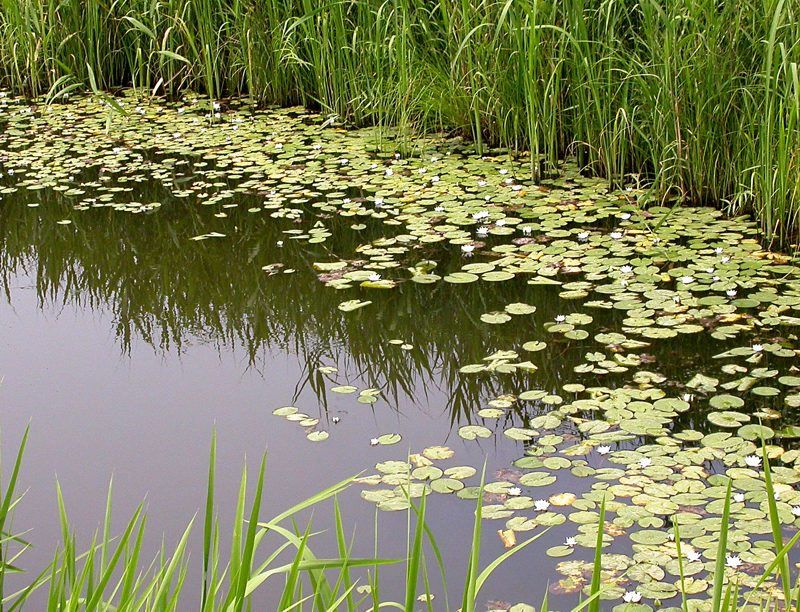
pixel 731 292
pixel 676 299
pixel 279 243
pixel 571 542
pixel 503 171
pixel 346 200
pixel 623 282
pixel 615 235
pixel 718 250
pixel 583 235
pixel 374 442
pixel 560 318
pixel 796 510
pixel 467 249
pixel 732 561
pixel 526 231
pixel 738 497
pixel 725 259
pixel 715 278
pixel 508 181
pixel 379 202
pixel 686 280
pixel 626 216
pixel 422 170
pixel 626 269
pixel 757 348
pixel 279 145
pixel 752 460
pixel 603 450
pixel 344 161
pixel 439 209
pixel 541 505
pixel 514 491
pixel 645 461
pixel 318 146
pixel 482 231
pixel 374 277
pixel 632 597
pixel 692 556
pixel 482 214
pixel 687 397
pixel 389 172
pixel 335 420
pixel 709 270
pixel 435 179
pixel 481 183
pixel 516 188
pixel 500 222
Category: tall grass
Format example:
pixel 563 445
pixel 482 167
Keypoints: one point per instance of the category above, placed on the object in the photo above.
pixel 698 97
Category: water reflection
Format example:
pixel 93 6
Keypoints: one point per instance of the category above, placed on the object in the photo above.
pixel 170 292
pixel 242 293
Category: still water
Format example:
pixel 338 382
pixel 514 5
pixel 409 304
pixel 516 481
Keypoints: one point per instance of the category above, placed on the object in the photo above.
pixel 166 276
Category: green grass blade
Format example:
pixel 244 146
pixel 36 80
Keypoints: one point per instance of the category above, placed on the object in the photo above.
pixel 469 592
pixel 208 522
pixel 677 533
pixel 594 589
pixel 775 523
pixel 722 548
pixel 415 556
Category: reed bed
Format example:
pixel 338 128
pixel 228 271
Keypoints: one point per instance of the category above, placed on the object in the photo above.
pixel 697 98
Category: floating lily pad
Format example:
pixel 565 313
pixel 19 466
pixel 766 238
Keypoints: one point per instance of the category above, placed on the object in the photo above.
pixel 351 305
pixel 471 432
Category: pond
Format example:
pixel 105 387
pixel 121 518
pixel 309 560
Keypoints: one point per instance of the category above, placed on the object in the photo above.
pixel 304 288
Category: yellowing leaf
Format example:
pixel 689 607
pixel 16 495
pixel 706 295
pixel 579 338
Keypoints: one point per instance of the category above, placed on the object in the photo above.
pixel 438 452
pixel 563 499
pixel 507 537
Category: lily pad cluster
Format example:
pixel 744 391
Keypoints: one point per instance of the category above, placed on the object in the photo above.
pixel 634 281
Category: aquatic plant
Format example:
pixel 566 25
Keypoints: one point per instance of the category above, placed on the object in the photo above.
pixel 109 575
pixel 700 101
pixel 555 309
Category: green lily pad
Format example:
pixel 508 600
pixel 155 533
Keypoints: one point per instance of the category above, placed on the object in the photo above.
pixel 351 305
pixel 471 432
pixel 726 402
pixel 495 318
pixel 754 431
pixel 728 418
pixel 519 308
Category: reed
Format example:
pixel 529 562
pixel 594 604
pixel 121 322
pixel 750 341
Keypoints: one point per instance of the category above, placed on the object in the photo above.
pixel 700 99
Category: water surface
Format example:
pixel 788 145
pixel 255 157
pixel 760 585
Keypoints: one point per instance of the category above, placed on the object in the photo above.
pixel 166 276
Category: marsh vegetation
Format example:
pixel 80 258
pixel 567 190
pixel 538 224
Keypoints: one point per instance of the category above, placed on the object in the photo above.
pixel 505 248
